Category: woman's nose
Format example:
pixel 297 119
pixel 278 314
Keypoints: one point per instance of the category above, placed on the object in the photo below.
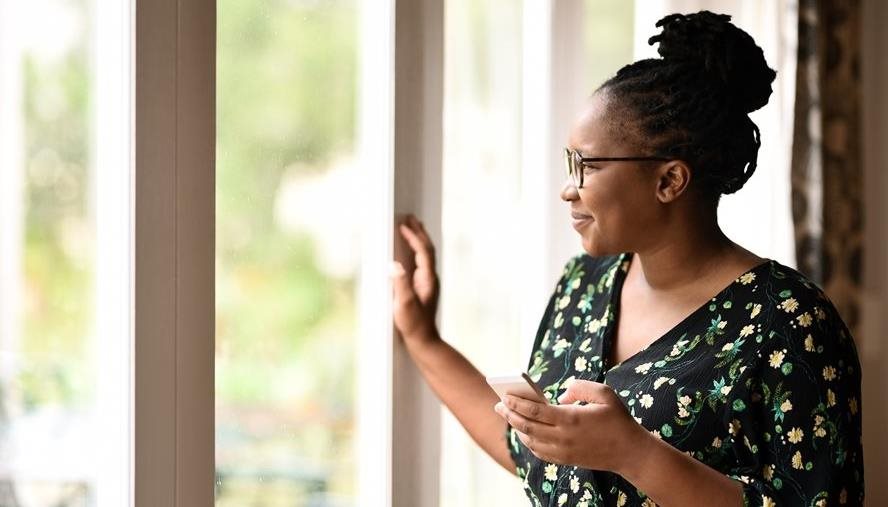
pixel 569 191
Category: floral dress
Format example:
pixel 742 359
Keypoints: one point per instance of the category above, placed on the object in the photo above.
pixel 762 383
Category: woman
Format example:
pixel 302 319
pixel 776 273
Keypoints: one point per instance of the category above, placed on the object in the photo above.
pixel 681 369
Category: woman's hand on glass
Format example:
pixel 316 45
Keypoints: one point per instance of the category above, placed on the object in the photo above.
pixel 599 435
pixel 416 294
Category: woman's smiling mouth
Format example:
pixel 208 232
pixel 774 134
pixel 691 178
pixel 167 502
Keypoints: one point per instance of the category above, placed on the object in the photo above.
pixel 579 219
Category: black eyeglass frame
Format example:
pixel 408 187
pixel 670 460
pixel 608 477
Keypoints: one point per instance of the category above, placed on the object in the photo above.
pixel 574 163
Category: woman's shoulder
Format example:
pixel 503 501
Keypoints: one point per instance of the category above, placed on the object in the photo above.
pixel 797 313
pixel 795 295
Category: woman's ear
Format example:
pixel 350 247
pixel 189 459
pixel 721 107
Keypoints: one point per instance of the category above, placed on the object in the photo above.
pixel 673 179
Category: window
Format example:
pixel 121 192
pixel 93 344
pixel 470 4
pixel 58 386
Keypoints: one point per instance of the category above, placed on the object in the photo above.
pixel 287 253
pixel 111 284
pixel 501 178
pixel 64 254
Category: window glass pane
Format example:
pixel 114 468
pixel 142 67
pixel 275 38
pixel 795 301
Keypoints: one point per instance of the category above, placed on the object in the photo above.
pixel 482 190
pixel 483 204
pixel 607 39
pixel 64 416
pixel 286 253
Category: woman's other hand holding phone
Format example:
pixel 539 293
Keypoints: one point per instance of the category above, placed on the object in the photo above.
pixel 599 434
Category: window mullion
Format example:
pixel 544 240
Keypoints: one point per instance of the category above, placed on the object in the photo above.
pixel 174 252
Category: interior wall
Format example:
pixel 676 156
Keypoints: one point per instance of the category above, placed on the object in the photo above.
pixel 871 344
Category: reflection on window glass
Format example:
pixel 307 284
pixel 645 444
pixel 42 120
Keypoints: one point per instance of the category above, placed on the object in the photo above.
pixel 48 383
pixel 286 253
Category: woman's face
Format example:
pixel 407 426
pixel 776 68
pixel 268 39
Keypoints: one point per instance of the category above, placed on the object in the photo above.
pixel 617 209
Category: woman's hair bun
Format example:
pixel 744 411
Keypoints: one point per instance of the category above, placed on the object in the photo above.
pixel 721 50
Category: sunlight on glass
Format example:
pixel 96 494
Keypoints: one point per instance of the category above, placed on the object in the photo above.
pixel 56 348
pixel 287 253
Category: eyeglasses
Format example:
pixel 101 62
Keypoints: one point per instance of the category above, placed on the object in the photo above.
pixel 574 162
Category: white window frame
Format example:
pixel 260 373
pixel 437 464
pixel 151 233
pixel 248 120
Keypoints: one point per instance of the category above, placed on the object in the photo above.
pixel 171 245
pixel 400 136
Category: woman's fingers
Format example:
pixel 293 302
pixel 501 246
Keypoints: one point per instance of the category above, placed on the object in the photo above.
pixel 421 231
pixel 401 284
pixel 425 258
pixel 542 450
pixel 530 427
pixel 587 391
pixel 536 411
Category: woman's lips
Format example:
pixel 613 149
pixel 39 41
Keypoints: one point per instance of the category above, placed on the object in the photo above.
pixel 580 220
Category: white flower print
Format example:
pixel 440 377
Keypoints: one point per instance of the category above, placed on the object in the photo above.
pixel 747 330
pixel 756 309
pixel 551 472
pixel 621 499
pixel 786 406
pixel 643 368
pixel 797 460
pixel 776 358
pixel 646 401
pixel 660 381
pixel 747 278
pixel 789 305
pixel 594 325
pixel 795 435
pixel 574 483
pixel 580 364
pixel 562 499
pixel 829 373
pixel 809 343
pixel 805 319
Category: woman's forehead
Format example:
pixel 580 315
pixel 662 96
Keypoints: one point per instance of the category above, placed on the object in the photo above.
pixel 590 132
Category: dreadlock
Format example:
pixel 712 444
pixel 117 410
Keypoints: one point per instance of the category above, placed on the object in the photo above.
pixel 693 103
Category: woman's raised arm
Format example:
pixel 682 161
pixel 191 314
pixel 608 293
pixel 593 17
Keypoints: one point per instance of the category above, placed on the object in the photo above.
pixel 456 382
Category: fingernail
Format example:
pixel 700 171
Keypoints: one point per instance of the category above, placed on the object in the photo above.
pixel 396 269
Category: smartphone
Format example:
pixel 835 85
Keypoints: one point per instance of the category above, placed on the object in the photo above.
pixel 517 385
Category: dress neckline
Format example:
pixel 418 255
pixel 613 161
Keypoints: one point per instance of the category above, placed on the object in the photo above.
pixel 614 302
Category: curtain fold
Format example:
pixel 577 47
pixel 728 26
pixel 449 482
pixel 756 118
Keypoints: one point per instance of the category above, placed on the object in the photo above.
pixel 826 169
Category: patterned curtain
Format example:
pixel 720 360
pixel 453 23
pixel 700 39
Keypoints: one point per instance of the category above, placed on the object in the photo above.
pixel 826 154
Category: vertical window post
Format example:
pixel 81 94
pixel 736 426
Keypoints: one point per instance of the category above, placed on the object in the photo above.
pixel 174 252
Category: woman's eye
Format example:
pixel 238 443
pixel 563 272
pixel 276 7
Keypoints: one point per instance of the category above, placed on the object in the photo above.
pixel 588 169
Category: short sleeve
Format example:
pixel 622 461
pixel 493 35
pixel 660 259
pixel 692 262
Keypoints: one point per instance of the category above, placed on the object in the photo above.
pixel 794 419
